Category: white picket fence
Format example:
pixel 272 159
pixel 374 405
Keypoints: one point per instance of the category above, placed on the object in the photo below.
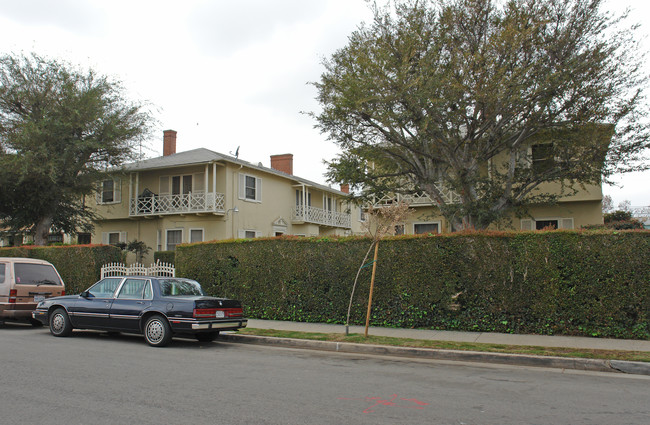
pixel 120 269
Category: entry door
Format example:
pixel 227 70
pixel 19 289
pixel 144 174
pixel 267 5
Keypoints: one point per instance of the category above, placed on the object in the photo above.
pixel 93 311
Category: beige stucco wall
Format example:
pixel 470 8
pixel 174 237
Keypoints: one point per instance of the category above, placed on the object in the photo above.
pixel 272 215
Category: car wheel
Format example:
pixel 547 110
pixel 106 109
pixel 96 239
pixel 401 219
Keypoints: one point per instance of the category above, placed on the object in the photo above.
pixel 207 336
pixel 60 324
pixel 157 331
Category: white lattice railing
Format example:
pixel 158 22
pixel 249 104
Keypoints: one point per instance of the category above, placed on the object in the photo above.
pixel 322 217
pixel 641 212
pixel 418 199
pixel 120 269
pixel 177 204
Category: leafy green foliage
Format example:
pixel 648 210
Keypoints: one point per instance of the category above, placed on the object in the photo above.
pixel 447 97
pixel 79 266
pixel 556 282
pixel 60 129
pixel 165 256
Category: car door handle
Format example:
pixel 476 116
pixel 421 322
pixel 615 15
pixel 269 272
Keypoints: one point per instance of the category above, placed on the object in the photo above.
pixel 140 302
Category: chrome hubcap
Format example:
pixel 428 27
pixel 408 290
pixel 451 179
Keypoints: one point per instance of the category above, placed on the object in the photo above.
pixel 58 323
pixel 155 331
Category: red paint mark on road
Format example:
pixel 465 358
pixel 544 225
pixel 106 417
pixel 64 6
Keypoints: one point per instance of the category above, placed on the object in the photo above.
pixel 394 401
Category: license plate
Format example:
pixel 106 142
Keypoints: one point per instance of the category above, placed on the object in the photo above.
pixel 220 314
pixel 39 298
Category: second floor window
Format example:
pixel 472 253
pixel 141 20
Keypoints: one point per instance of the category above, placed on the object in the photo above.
pixel 542 157
pixel 250 188
pixel 110 192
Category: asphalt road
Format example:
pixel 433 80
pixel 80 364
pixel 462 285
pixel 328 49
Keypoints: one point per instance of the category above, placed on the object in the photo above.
pixel 94 378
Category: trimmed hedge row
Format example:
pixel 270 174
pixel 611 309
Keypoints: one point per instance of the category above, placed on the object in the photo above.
pixel 557 282
pixel 78 265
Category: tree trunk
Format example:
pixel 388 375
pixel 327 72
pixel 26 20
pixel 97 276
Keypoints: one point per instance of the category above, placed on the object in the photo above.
pixel 41 231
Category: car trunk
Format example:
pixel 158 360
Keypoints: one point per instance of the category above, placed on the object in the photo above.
pixel 217 308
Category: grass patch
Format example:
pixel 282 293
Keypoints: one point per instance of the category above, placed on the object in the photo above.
pixel 636 356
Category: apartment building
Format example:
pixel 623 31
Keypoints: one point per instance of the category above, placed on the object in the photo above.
pixel 202 195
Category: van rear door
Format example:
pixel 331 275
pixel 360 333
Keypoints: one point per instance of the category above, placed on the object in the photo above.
pixel 34 282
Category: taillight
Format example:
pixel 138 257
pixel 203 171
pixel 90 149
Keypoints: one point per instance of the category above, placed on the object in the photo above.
pixel 200 313
pixel 13 294
pixel 211 313
pixel 63 292
pixel 233 312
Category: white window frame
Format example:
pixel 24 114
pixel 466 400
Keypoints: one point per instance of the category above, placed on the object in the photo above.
pixel 167 237
pixel 106 236
pixel 527 224
pixel 195 229
pixel 117 192
pixel 242 188
pixel 241 234
pixel 437 223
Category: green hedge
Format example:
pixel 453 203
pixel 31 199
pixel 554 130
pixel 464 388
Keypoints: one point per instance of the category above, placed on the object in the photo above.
pixel 78 265
pixel 557 282
pixel 165 257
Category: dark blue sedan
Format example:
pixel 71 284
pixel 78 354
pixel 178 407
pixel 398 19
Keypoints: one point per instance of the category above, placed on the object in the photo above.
pixel 158 307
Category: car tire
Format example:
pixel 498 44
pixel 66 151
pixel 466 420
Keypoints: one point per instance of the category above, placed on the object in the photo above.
pixel 206 336
pixel 60 324
pixel 157 331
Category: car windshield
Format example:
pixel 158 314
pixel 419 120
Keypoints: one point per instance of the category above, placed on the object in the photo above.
pixel 179 288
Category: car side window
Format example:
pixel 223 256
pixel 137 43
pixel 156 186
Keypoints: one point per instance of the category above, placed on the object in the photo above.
pixel 148 294
pixel 105 288
pixel 132 289
pixel 2 273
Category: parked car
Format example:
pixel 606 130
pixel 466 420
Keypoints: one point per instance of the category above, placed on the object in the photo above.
pixel 158 307
pixel 24 282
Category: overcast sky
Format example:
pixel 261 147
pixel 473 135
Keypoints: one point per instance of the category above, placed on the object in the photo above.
pixel 223 73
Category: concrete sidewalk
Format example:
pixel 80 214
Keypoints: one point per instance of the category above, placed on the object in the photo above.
pixel 479 337
pixel 596 365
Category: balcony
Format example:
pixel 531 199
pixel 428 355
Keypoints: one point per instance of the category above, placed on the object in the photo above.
pixel 418 200
pixel 189 203
pixel 320 216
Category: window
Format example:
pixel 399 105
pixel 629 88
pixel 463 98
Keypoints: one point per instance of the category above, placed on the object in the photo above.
pixel 132 289
pixel 399 229
pixel 300 200
pixel 178 287
pixel 55 238
pixel 196 235
pixel 2 273
pixel 83 238
pixel 542 157
pixel 113 238
pixel 105 288
pixel 543 224
pixel 250 188
pixel 174 237
pixel 425 228
pixel 248 234
pixel 110 192
pixel 362 215
pixel 36 274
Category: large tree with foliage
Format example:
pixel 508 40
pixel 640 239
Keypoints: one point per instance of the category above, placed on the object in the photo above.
pixel 60 129
pixel 447 97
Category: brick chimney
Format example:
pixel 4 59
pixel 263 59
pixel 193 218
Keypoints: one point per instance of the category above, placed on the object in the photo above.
pixel 169 142
pixel 345 188
pixel 282 163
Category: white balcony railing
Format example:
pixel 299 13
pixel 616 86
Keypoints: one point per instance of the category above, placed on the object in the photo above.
pixel 323 217
pixel 199 202
pixel 419 199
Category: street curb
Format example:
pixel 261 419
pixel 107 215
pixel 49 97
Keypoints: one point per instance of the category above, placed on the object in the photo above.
pixel 594 365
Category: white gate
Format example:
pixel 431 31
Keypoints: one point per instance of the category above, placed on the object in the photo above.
pixel 120 269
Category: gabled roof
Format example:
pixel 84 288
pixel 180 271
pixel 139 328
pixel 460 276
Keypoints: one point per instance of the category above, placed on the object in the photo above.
pixel 206 156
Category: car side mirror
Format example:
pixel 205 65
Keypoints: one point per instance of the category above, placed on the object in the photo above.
pixel 85 294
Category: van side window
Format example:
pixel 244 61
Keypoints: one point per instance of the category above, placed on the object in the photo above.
pixel 2 273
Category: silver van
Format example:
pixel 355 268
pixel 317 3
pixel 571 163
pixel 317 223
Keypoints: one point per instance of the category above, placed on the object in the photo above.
pixel 24 282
